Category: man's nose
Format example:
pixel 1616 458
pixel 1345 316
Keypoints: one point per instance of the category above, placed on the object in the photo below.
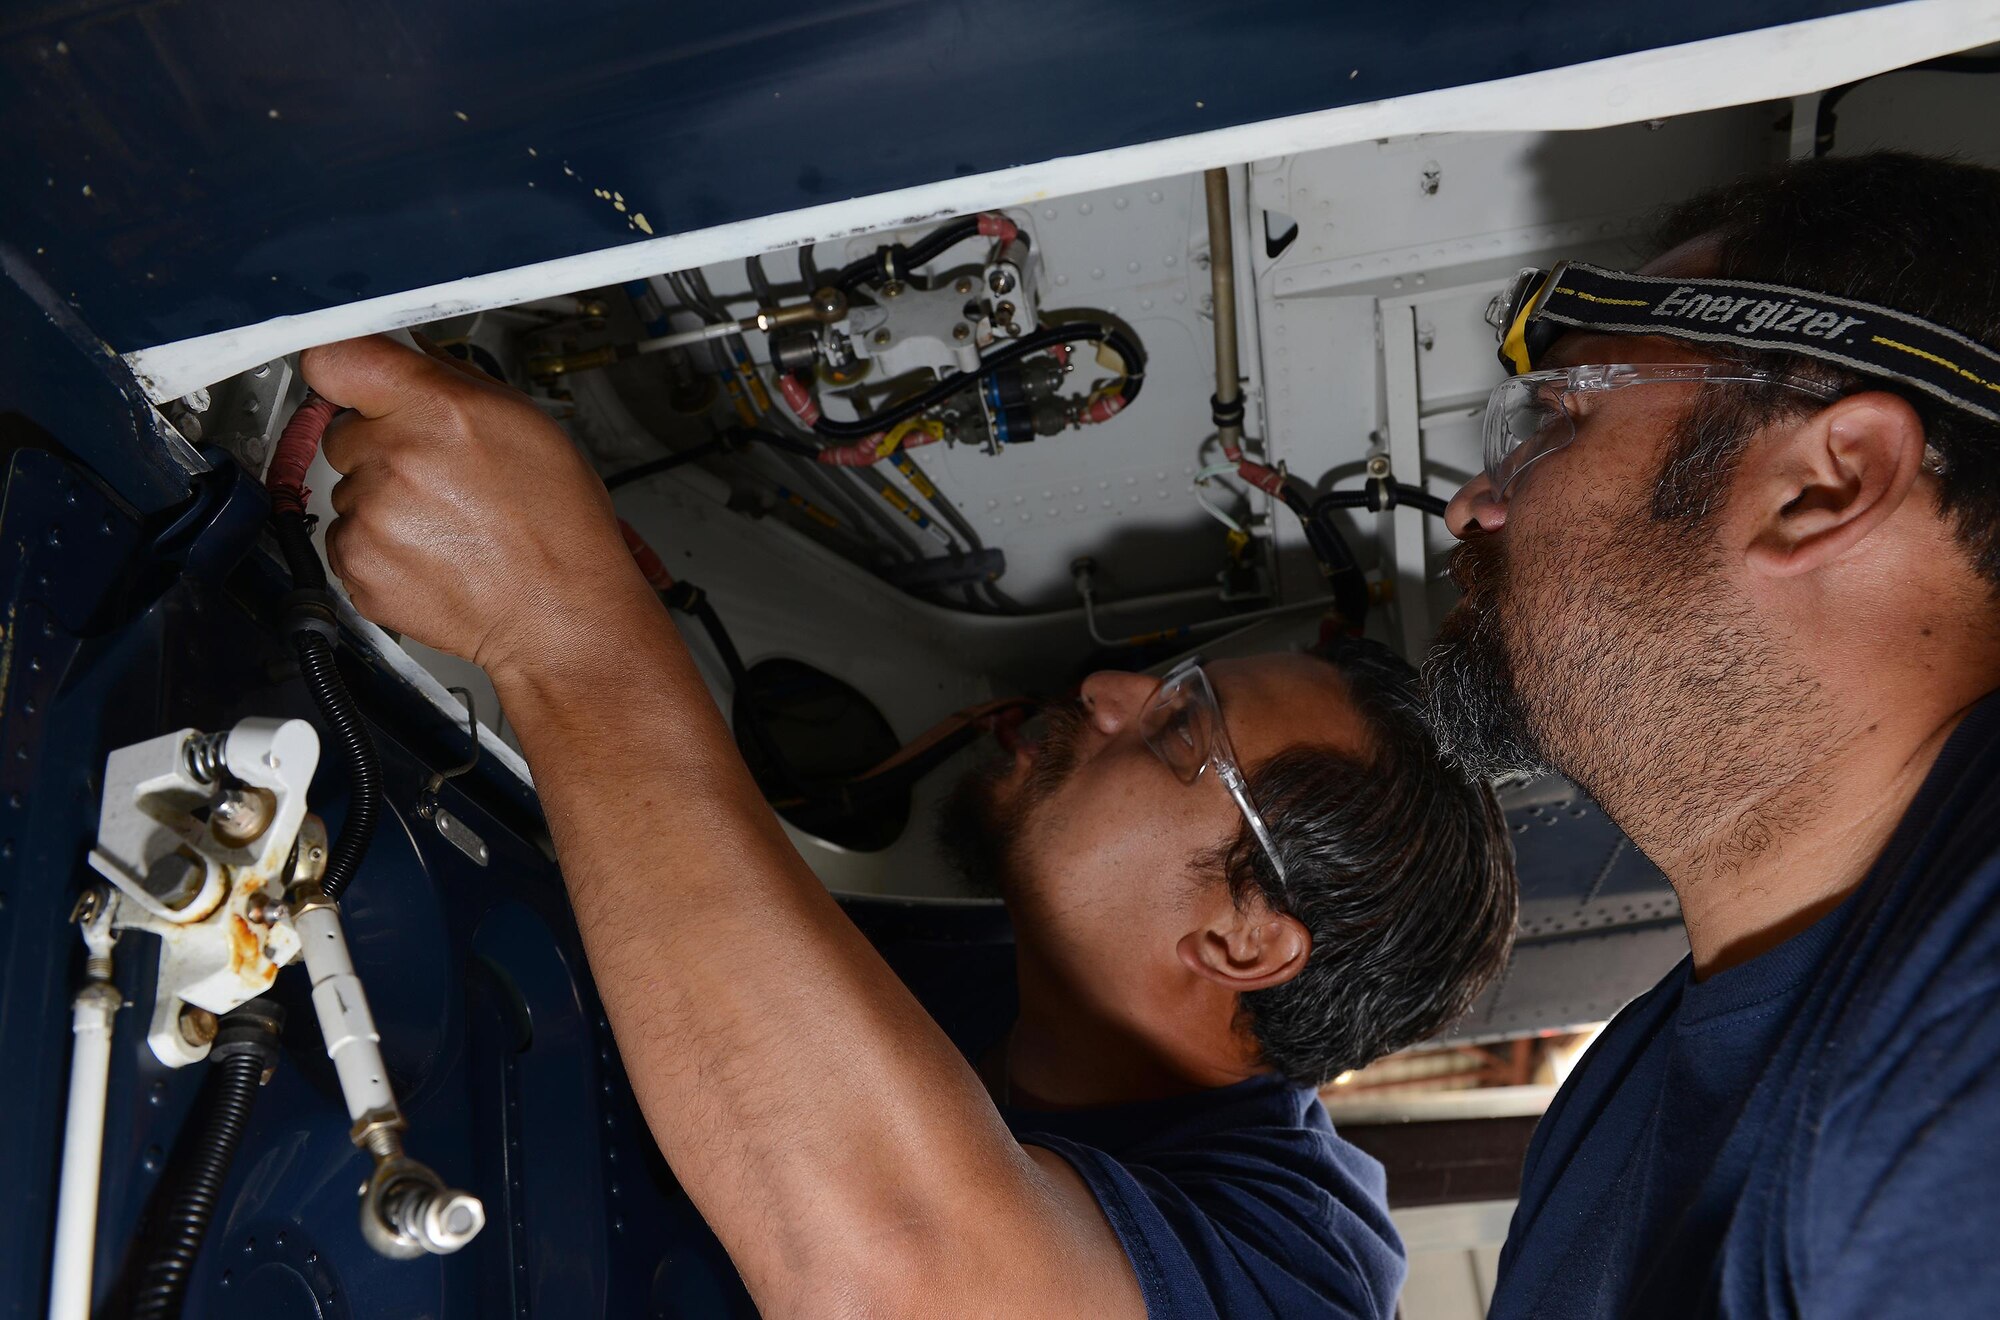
pixel 1475 509
pixel 1112 698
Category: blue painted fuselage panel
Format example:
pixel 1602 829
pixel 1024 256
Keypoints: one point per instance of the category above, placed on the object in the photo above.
pixel 176 167
pixel 490 1028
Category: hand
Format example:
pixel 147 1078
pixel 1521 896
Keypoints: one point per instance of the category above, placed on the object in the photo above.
pixel 466 518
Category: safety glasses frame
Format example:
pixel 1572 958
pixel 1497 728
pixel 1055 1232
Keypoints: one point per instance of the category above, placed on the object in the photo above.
pixel 1529 416
pixel 1181 723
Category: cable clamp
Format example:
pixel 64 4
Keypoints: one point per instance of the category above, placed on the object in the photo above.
pixel 311 610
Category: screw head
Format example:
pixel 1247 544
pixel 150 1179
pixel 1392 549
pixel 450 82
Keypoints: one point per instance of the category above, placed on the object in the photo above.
pixel 893 289
pixel 1000 279
pixel 881 337
pixel 961 332
pixel 240 815
pixel 964 284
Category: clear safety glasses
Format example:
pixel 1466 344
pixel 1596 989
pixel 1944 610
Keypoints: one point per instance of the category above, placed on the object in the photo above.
pixel 1182 723
pixel 1533 415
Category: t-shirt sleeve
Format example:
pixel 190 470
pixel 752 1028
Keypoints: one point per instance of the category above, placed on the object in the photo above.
pixel 1906 1176
pixel 1278 1222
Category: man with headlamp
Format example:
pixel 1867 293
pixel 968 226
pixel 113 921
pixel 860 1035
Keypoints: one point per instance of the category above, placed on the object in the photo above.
pixel 1733 565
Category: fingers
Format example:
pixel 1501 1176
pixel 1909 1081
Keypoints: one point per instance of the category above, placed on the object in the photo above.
pixel 373 375
pixel 458 364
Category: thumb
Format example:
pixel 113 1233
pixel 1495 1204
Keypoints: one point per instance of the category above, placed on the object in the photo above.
pixel 373 375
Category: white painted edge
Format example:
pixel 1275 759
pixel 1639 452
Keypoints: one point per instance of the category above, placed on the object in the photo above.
pixel 405 666
pixel 1769 64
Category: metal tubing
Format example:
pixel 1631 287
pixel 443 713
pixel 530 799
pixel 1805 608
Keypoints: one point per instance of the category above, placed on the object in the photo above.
pixel 93 1015
pixel 1222 279
pixel 83 1153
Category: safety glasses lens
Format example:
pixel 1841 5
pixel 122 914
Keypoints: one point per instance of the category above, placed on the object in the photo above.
pixel 1525 420
pixel 1178 723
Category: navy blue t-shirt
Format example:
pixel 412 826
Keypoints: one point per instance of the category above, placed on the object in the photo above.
pixel 1240 1201
pixel 1236 1202
pixel 1815 1132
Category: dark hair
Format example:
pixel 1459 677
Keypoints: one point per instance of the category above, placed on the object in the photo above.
pixel 1916 233
pixel 1398 865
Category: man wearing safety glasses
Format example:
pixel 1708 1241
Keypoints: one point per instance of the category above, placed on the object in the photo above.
pixel 1227 885
pixel 1733 565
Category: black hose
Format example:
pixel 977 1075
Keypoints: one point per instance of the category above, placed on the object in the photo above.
pixel 1045 338
pixel 311 623
pixel 654 467
pixel 364 771
pixel 760 283
pixel 734 438
pixel 1336 560
pixel 1380 495
pixel 896 260
pixel 295 543
pixel 246 1047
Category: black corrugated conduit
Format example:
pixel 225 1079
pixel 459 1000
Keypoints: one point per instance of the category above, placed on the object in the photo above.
pixel 311 623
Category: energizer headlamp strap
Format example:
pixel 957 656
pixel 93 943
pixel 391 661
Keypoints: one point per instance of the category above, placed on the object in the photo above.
pixel 1862 337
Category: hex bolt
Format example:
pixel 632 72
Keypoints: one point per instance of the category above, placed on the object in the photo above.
pixel 175 879
pixel 198 1026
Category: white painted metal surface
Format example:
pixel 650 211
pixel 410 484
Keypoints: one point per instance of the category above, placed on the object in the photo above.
pixel 223 946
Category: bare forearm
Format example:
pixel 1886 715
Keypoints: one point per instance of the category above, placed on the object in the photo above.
pixel 840 1148
pixel 789 1078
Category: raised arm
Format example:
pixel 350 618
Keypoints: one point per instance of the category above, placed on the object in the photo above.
pixel 840 1148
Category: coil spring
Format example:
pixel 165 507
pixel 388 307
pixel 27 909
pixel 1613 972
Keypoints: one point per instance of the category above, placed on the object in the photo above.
pixel 204 753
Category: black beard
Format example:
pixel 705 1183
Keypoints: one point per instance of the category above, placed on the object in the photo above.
pixel 1482 726
pixel 1622 672
pixel 977 830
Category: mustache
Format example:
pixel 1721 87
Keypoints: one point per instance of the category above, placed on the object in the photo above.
pixel 1478 566
pixel 1063 724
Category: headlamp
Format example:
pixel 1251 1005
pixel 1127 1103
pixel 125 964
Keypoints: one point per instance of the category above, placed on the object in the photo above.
pixel 1538 306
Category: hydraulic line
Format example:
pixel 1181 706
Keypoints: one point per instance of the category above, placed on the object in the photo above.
pixel 1066 332
pixel 311 622
pixel 246 1048
pixel 1389 495
pixel 896 261
pixel 747 387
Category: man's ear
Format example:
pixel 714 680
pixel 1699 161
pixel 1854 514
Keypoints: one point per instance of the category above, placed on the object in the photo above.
pixel 1819 492
pixel 1247 947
